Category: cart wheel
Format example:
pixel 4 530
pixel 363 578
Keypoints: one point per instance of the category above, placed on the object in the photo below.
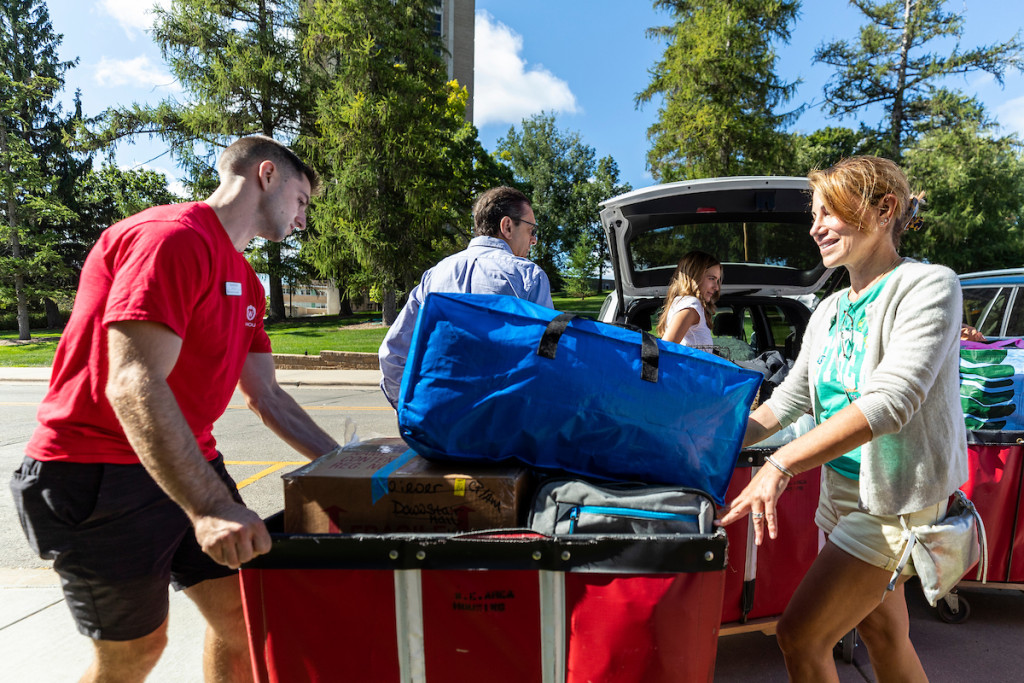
pixel 953 611
pixel 844 648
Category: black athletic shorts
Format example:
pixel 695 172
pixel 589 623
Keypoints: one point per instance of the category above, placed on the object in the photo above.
pixel 115 539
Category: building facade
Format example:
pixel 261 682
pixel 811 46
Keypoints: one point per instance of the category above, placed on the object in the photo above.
pixel 455 23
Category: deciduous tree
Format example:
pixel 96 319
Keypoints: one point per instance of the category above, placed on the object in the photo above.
pixel 557 170
pixel 603 185
pixel 973 180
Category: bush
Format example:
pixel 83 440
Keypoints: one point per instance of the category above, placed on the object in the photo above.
pixel 9 320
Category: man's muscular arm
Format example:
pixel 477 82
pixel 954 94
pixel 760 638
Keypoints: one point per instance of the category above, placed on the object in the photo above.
pixel 278 410
pixel 142 355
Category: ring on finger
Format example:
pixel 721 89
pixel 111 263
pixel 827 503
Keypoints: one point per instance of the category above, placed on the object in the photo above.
pixel 757 515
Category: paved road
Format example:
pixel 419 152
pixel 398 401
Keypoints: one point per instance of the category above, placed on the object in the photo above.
pixel 254 456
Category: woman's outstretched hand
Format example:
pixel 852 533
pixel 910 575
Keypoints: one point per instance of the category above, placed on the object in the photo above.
pixel 759 499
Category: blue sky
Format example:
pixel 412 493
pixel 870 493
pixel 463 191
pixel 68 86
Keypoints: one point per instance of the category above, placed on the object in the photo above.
pixel 583 60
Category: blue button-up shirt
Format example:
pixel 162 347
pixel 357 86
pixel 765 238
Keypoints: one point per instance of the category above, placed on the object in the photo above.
pixel 486 266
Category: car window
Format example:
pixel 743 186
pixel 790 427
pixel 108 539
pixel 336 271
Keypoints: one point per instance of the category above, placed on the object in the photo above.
pixel 1015 319
pixel 777 244
pixel 783 331
pixel 984 308
pixel 729 322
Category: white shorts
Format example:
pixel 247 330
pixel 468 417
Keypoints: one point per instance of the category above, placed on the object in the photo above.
pixel 875 539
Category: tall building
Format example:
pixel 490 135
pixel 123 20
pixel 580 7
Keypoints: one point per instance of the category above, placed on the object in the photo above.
pixel 455 24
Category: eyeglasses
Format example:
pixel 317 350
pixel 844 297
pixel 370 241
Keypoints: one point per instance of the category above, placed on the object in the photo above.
pixel 845 346
pixel 533 229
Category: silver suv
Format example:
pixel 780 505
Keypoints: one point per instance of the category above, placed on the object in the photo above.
pixel 757 226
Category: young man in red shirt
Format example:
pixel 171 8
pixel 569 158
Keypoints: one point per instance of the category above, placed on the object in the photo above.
pixel 122 485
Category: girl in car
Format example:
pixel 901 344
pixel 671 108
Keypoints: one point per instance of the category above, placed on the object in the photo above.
pixel 690 302
pixel 878 369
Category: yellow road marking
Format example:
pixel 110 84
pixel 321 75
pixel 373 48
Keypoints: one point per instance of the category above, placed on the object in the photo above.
pixel 274 466
pixel 13 403
pixel 267 462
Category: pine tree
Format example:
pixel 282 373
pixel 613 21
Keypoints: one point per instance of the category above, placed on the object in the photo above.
pixel 719 92
pixel 893 64
pixel 393 142
pixel 30 130
pixel 240 63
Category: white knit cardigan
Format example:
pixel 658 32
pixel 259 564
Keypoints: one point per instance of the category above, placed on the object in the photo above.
pixel 909 386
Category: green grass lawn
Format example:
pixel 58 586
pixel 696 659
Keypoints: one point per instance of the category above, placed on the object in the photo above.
pixel 296 335
pixel 327 333
pixel 588 307
pixel 36 353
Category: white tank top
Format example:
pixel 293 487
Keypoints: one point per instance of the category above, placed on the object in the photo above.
pixel 699 334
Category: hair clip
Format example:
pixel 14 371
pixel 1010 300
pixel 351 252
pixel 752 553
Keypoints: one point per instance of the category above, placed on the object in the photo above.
pixel 914 222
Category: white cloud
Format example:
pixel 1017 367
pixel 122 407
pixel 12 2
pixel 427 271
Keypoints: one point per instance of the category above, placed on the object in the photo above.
pixel 506 90
pixel 174 183
pixel 980 80
pixel 1011 116
pixel 133 15
pixel 138 72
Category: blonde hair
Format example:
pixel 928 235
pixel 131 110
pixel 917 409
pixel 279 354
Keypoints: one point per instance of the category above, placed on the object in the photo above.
pixel 686 282
pixel 853 186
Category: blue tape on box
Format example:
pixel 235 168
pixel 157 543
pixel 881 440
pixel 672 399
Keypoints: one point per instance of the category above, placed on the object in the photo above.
pixel 379 481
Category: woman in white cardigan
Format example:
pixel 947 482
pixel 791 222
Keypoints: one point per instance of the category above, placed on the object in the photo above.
pixel 879 370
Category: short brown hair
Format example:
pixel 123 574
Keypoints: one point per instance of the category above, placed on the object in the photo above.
pixel 493 205
pixel 245 152
pixel 852 186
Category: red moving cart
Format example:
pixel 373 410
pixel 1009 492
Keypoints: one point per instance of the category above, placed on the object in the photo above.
pixel 996 481
pixel 494 606
pixel 759 581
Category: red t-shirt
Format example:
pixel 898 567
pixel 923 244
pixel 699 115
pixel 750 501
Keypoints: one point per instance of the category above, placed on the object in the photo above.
pixel 173 265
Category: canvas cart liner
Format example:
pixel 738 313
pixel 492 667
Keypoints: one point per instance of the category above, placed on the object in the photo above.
pixel 502 606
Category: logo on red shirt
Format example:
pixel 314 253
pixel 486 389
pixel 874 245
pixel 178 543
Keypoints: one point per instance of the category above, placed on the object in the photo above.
pixel 250 314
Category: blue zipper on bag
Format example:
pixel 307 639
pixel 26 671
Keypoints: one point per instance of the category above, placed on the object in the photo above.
pixel 575 512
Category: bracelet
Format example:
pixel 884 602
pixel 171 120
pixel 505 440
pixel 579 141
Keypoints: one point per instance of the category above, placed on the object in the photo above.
pixel 779 466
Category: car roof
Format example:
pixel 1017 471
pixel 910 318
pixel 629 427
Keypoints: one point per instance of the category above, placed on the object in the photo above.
pixel 1004 276
pixel 682 187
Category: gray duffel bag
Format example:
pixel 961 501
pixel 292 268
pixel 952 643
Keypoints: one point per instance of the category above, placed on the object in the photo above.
pixel 573 506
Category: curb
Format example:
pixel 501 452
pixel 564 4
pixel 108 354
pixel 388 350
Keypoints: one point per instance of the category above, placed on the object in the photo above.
pixel 328 360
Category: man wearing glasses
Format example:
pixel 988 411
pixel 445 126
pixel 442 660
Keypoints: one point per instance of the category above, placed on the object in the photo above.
pixel 494 263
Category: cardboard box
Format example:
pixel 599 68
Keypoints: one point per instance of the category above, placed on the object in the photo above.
pixel 379 486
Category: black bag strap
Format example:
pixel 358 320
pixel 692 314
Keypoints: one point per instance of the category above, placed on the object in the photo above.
pixel 648 345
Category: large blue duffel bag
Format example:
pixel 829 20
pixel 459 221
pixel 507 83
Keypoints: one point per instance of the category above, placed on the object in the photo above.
pixel 495 377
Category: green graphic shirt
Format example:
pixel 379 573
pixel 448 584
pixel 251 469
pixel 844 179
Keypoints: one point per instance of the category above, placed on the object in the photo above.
pixel 839 367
